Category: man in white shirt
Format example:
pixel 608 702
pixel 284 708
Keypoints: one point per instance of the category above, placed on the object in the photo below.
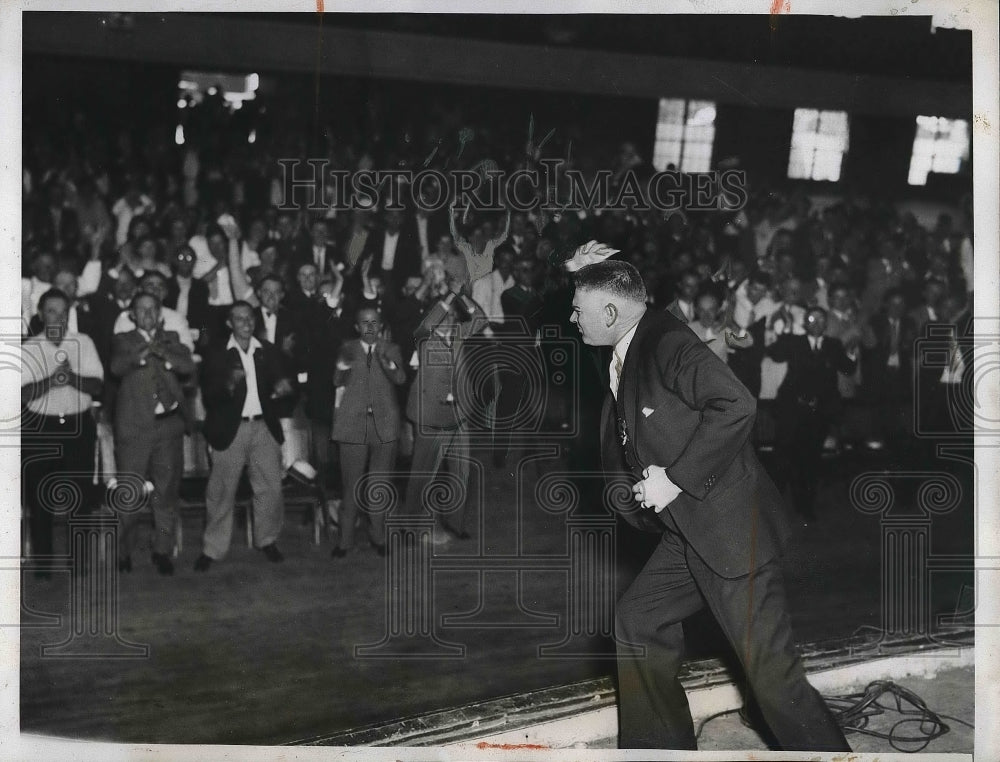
pixel 242 384
pixel 61 375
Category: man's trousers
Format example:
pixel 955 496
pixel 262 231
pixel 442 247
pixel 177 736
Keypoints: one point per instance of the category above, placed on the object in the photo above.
pixel 255 449
pixel 157 455
pixel 676 583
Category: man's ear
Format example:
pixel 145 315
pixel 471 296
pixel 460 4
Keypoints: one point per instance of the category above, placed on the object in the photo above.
pixel 610 314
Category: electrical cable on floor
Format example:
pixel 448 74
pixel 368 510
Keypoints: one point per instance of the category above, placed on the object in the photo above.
pixel 852 712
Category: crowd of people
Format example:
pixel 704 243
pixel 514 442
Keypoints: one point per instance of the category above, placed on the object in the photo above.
pixel 177 314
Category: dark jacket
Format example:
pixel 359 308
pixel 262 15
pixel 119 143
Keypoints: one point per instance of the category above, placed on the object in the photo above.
pixel 681 408
pixel 811 379
pixel 224 406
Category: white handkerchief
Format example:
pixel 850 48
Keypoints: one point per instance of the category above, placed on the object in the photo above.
pixel 647 411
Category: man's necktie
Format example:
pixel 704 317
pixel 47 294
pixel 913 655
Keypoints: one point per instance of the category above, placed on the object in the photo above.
pixel 368 358
pixel 618 372
pixel 163 391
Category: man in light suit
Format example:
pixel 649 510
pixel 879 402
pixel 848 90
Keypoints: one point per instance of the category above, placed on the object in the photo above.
pixel 440 402
pixel 149 423
pixel 366 421
pixel 679 422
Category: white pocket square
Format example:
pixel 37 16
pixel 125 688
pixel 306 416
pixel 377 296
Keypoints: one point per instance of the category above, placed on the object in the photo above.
pixel 647 411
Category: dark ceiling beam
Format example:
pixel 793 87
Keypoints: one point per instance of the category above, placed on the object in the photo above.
pixel 227 43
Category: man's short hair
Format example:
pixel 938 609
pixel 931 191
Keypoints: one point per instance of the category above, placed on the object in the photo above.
pixel 759 277
pixel 52 293
pixel 367 308
pixel 152 275
pixel 504 248
pixel 617 278
pixel 238 303
pixel 272 277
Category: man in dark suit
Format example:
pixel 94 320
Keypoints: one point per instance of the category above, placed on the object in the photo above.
pixel 366 422
pixel 304 292
pixel 679 422
pixel 318 250
pixel 149 423
pixel 323 333
pixel 440 403
pixel 281 328
pixel 807 403
pixel 394 250
pixel 242 383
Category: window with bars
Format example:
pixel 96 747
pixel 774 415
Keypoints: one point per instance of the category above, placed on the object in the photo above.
pixel 685 132
pixel 940 145
pixel 819 141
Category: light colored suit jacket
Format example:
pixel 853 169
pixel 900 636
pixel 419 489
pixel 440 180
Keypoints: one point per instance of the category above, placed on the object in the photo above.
pixel 139 392
pixel 369 395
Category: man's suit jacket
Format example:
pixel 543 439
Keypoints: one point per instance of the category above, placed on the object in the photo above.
pixel 812 375
pixel 407 261
pixel 224 408
pixel 674 308
pixel 323 336
pixel 291 362
pixel 304 255
pixel 137 397
pixel 442 371
pixel 367 386
pixel 684 410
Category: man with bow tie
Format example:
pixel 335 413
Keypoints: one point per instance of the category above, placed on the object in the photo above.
pixel 149 423
pixel 243 384
pixel 678 422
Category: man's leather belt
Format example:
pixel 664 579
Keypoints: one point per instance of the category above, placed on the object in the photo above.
pixel 253 417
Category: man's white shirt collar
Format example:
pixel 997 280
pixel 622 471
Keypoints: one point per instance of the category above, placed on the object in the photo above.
pixel 620 350
pixel 254 345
